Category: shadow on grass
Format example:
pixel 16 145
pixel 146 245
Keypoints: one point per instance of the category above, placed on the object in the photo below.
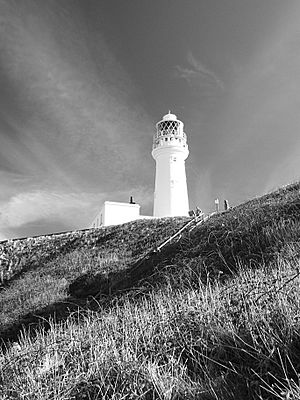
pixel 32 265
pixel 41 318
pixel 64 249
pixel 99 285
pixel 85 293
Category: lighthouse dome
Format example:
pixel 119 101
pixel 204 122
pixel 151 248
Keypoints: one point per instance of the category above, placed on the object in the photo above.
pixel 169 117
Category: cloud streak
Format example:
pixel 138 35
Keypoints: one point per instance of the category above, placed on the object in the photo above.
pixel 69 123
pixel 196 73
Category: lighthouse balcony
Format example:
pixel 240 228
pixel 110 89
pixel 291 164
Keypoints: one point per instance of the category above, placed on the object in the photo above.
pixel 164 134
pixel 170 140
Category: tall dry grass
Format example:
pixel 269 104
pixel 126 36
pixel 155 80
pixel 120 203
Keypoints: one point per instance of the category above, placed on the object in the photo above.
pixel 215 316
pixel 236 340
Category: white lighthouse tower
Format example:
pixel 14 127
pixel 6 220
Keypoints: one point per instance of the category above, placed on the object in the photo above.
pixel 170 150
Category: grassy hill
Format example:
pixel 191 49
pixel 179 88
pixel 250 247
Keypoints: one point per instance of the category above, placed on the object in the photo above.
pixel 215 315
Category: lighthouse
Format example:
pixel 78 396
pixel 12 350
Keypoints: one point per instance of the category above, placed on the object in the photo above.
pixel 170 150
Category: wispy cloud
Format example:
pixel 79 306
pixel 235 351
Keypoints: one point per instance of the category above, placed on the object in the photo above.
pixel 69 123
pixel 196 73
pixel 27 207
pixel 62 107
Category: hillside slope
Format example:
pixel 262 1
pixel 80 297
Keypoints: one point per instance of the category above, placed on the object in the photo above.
pixel 38 286
pixel 214 315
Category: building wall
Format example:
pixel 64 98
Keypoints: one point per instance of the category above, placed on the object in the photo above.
pixel 115 213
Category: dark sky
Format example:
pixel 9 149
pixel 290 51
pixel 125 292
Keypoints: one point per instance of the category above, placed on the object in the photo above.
pixel 83 82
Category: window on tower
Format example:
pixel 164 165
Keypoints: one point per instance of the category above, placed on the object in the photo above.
pixel 168 127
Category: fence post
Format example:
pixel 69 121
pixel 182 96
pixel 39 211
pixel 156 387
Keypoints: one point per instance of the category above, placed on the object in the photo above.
pixel 217 205
pixel 226 205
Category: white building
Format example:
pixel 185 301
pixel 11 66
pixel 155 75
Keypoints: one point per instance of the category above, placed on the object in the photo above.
pixel 115 213
pixel 170 150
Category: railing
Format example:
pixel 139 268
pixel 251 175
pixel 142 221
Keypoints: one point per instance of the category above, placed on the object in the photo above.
pixel 189 226
pixel 170 141
pixel 173 134
pixel 196 221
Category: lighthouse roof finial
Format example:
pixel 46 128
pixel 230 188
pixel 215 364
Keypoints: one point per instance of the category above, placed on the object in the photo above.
pixel 169 117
